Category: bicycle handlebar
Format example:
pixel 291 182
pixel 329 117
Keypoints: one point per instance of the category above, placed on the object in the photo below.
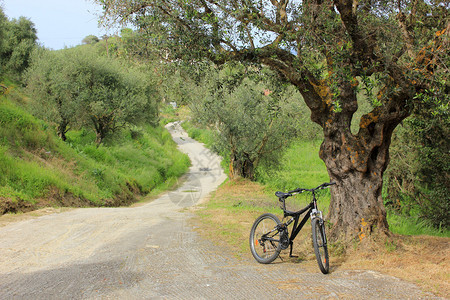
pixel 322 186
pixel 282 196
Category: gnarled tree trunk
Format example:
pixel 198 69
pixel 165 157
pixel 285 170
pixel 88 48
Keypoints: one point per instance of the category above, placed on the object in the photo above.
pixel 242 167
pixel 356 207
pixel 356 162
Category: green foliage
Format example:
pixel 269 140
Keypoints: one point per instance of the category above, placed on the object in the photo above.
pixel 75 87
pixel 3 24
pixel 148 161
pixel 249 126
pixel 90 39
pixel 202 135
pixel 51 82
pixel 418 180
pixel 39 169
pixel 18 39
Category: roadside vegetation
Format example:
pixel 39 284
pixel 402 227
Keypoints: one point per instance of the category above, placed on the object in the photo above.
pixel 392 55
pixel 300 166
pixel 78 126
pixel 416 251
pixel 39 169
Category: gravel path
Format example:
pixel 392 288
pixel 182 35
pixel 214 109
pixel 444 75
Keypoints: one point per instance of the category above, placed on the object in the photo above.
pixel 152 252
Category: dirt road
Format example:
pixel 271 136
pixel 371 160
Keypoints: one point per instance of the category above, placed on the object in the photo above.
pixel 152 251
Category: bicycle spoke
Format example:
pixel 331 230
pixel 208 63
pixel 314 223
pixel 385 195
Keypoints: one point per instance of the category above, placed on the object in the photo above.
pixel 264 240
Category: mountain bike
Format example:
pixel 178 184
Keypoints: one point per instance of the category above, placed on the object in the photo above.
pixel 269 236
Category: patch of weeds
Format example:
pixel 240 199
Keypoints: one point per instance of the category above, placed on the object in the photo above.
pixel 337 248
pixel 390 246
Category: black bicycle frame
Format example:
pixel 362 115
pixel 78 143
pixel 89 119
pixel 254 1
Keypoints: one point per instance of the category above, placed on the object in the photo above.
pixel 297 227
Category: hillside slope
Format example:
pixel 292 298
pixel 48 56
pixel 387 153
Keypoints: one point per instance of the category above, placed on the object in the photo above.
pixel 37 169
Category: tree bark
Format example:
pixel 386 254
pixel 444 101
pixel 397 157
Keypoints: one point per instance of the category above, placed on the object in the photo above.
pixel 242 167
pixel 356 207
pixel 62 129
pixel 357 162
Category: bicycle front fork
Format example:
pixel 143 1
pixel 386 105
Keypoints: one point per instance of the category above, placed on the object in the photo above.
pixel 315 213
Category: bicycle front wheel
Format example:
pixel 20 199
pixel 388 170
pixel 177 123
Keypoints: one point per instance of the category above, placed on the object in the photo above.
pixel 265 238
pixel 320 244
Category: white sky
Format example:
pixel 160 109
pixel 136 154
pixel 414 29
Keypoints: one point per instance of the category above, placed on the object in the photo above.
pixel 59 23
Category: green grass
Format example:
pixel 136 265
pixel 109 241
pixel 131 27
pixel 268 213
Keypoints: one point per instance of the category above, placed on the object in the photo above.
pixel 147 160
pixel 202 135
pixel 404 225
pixel 35 164
pixel 300 166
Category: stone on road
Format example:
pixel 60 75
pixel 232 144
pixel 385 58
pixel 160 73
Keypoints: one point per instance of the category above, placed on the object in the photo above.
pixel 151 251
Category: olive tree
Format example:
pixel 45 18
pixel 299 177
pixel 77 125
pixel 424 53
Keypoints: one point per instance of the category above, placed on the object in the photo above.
pixel 50 81
pixel 329 50
pixel 250 124
pixel 78 87
pixel 18 41
pixel 3 22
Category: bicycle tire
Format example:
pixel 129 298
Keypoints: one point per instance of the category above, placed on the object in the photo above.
pixel 267 251
pixel 320 245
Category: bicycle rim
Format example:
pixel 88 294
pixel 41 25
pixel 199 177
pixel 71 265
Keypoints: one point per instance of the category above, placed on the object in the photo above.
pixel 264 240
pixel 320 245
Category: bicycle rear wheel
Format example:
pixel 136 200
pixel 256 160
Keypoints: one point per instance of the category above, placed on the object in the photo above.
pixel 320 244
pixel 265 238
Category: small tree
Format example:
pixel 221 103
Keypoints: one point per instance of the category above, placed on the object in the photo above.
pixel 90 40
pixel 113 95
pixel 250 125
pixel 50 81
pixel 19 41
pixel 3 22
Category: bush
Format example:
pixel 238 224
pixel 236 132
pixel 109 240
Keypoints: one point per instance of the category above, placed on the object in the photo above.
pixel 18 39
pixel 417 183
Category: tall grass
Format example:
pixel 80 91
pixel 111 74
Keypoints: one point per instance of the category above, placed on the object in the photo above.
pixel 202 135
pixel 147 159
pixel 299 167
pixel 401 224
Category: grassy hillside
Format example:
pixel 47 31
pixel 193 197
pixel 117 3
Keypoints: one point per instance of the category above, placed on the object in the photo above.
pixel 37 169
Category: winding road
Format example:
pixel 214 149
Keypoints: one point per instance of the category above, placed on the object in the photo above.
pixel 151 251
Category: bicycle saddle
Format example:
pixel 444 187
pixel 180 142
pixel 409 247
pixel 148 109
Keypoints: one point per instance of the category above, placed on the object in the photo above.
pixel 282 195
